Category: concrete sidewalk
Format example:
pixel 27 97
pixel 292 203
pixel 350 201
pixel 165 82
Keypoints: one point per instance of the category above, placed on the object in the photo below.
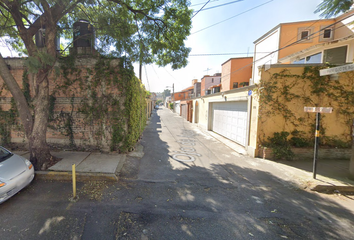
pixel 90 166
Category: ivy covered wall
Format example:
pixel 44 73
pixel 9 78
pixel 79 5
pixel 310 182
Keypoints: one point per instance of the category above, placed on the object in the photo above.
pixel 285 90
pixel 95 103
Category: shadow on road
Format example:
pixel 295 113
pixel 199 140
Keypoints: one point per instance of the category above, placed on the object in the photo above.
pixel 157 200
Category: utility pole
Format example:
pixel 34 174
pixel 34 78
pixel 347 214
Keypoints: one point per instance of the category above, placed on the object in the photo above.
pixel 173 91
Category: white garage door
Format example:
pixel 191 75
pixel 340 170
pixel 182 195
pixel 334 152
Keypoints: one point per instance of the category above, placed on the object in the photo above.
pixel 230 120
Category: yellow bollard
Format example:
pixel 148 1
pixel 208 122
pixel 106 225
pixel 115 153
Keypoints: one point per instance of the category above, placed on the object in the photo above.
pixel 74 181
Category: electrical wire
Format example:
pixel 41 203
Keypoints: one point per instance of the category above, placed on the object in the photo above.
pixel 220 54
pixel 147 78
pixel 221 5
pixel 311 36
pixel 200 9
pixel 231 17
pixel 202 3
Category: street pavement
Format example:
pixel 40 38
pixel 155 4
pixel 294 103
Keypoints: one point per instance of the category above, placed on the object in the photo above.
pixel 332 175
pixel 182 183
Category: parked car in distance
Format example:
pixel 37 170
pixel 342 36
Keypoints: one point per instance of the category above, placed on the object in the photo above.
pixel 16 173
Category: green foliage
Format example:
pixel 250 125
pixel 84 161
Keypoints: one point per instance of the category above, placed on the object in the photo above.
pixel 335 142
pixel 244 84
pixel 5 127
pixel 279 93
pixel 135 104
pixel 26 86
pixel 171 106
pixel 166 93
pixel 8 119
pixel 40 61
pixel 280 146
pixel 299 139
pixel 145 31
pixel 112 103
pixel 331 8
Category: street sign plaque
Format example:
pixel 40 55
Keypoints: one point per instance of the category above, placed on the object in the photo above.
pixel 318 109
pixel 334 70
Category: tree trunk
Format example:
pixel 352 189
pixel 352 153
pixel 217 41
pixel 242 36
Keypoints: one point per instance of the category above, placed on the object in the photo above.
pixel 35 122
pixel 39 150
pixel 20 100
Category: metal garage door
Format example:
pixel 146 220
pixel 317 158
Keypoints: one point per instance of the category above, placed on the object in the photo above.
pixel 230 120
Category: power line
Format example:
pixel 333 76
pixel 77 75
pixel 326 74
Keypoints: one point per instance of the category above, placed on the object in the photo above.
pixel 220 54
pixel 147 77
pixel 311 36
pixel 232 17
pixel 203 3
pixel 221 5
pixel 200 9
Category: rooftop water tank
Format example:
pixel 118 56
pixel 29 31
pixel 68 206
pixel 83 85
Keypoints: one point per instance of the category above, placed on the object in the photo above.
pixel 84 34
pixel 40 39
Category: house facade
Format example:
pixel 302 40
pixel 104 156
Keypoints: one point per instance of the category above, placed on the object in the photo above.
pixel 294 83
pixel 285 79
pixel 288 38
pixel 236 72
pixel 226 113
pixel 209 82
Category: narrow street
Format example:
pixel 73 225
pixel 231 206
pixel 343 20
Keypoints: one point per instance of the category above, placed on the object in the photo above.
pixel 186 186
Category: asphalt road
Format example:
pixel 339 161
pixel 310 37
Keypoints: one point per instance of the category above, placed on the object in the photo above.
pixel 187 186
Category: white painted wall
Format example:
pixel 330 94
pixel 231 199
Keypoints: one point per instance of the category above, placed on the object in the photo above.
pixel 204 105
pixel 262 48
pixel 177 107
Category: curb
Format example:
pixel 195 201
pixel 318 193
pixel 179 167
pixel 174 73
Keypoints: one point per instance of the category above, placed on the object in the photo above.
pixel 80 177
pixel 346 190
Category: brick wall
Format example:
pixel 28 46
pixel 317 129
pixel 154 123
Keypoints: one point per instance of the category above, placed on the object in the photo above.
pixel 67 103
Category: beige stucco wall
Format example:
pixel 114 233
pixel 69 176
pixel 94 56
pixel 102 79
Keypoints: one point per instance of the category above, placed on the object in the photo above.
pixel 205 105
pixel 336 125
pixel 253 125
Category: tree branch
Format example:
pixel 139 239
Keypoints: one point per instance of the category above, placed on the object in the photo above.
pixel 21 103
pixel 138 11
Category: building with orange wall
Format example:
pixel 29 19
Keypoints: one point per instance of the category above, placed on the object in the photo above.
pixel 184 94
pixel 288 38
pixel 236 72
pixel 337 50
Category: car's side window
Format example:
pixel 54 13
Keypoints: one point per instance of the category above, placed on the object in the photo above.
pixel 3 152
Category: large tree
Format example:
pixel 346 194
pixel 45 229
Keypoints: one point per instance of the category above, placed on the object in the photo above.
pixel 148 31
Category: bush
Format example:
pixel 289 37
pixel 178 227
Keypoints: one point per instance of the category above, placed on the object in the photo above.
pixel 280 146
pixel 298 139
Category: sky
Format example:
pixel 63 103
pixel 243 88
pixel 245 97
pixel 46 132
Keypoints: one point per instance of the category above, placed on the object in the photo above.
pixel 248 21
pixel 222 33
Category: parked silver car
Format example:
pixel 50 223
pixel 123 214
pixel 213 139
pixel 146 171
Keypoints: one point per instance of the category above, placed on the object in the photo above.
pixel 16 173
